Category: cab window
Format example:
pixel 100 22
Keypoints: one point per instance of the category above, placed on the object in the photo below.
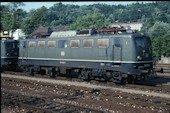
pixel 139 42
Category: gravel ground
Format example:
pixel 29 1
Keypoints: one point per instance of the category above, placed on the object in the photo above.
pixel 105 100
pixel 109 99
pixel 84 84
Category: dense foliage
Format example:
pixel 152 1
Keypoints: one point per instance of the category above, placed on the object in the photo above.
pixel 155 16
pixel 95 21
pixel 158 29
pixel 34 19
pixel 161 46
pixel 12 16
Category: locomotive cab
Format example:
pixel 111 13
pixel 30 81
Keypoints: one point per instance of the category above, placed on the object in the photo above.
pixel 143 54
pixel 132 56
pixel 143 49
pixel 9 54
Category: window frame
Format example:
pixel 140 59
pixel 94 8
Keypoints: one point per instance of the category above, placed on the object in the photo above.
pixel 76 43
pixel 92 43
pixel 48 45
pixel 29 45
pixel 41 44
pixel 101 46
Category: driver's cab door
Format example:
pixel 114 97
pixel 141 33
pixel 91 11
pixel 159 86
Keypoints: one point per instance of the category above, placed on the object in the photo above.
pixel 117 48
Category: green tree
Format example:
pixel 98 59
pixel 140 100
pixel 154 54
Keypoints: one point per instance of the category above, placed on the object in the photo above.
pixel 96 20
pixel 35 19
pixel 6 23
pixel 12 16
pixel 159 29
pixel 161 46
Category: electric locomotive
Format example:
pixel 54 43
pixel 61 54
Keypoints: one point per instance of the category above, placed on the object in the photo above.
pixel 9 54
pixel 119 57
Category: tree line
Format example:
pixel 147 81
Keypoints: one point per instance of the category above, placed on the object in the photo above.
pixel 155 16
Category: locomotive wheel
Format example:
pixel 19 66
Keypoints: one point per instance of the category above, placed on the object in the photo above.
pixel 42 72
pixel 52 73
pixel 105 78
pixel 123 81
pixel 2 69
pixel 31 71
pixel 131 79
pixel 84 75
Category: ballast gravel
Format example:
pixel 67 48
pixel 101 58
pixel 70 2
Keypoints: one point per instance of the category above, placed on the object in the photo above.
pixel 88 85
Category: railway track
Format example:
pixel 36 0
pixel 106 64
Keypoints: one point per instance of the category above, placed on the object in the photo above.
pixel 43 105
pixel 144 102
pixel 103 97
pixel 162 65
pixel 158 84
pixel 166 67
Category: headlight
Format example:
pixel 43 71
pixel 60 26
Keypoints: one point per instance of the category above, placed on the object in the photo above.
pixel 139 58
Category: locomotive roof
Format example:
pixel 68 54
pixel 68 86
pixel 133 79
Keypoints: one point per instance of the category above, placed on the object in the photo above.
pixel 89 33
pixel 94 36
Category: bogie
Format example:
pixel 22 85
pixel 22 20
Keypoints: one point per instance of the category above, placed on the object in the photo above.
pixel 85 75
pixel 131 79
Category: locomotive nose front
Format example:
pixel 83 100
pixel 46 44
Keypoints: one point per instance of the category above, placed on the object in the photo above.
pixel 143 49
pixel 144 55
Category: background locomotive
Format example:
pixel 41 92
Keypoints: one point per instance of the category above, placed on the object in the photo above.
pixel 9 54
pixel 114 57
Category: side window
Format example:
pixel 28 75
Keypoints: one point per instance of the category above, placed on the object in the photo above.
pixel 103 43
pixel 75 43
pixel 117 42
pixel 51 44
pixel 87 43
pixel 32 44
pixel 41 43
pixel 62 44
